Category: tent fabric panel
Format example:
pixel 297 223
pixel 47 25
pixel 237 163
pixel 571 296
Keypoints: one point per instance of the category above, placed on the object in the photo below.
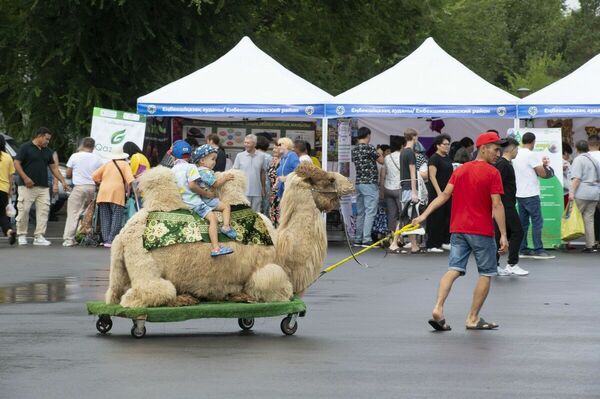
pixel 232 110
pixel 554 110
pixel 420 111
pixel 427 76
pixel 244 75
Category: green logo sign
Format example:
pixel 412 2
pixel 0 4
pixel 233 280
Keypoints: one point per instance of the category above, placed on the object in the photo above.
pixel 118 137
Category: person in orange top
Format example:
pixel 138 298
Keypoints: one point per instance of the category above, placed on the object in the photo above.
pixel 115 178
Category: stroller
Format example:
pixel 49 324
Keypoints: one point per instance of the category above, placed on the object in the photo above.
pixel 89 233
pixel 88 227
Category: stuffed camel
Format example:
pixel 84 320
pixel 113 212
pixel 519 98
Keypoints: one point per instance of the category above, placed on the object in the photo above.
pixel 263 273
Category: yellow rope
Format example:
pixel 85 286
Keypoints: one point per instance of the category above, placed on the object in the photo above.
pixel 408 227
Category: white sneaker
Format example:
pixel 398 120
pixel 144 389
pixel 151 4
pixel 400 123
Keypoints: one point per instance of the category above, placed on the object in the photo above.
pixel 516 270
pixel 407 245
pixel 22 240
pixel 40 240
pixel 435 250
pixel 504 272
pixel 69 243
pixel 447 247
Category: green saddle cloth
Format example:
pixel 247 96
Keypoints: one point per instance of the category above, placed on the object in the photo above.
pixel 185 226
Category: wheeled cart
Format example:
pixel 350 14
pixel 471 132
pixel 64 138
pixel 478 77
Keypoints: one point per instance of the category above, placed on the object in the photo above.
pixel 244 312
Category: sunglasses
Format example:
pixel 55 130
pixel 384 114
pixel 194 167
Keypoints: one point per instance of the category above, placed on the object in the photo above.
pixel 278 144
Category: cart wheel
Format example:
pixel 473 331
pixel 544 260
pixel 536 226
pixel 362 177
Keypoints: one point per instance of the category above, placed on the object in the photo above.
pixel 246 324
pixel 138 332
pixel 104 324
pixel 286 326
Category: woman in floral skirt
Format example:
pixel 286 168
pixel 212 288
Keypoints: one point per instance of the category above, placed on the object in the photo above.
pixel 272 176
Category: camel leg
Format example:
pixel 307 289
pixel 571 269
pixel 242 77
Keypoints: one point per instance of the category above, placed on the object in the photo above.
pixel 240 297
pixel 186 300
pixel 270 283
pixel 118 279
pixel 148 288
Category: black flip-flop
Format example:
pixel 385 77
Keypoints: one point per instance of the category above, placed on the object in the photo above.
pixel 439 325
pixel 483 325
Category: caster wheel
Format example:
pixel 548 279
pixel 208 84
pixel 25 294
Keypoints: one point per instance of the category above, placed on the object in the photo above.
pixel 138 332
pixel 104 324
pixel 286 328
pixel 246 324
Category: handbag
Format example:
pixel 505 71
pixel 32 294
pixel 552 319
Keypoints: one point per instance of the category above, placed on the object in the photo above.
pixel 571 224
pixel 11 212
pixel 411 211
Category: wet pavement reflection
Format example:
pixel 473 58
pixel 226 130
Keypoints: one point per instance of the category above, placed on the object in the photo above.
pixel 62 289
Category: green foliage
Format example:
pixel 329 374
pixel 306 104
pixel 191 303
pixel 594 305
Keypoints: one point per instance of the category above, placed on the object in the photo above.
pixel 540 71
pixel 60 58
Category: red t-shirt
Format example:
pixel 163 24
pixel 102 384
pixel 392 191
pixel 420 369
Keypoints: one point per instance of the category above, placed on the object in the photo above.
pixel 474 182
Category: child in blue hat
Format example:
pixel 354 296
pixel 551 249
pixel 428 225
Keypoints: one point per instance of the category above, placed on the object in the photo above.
pixel 193 182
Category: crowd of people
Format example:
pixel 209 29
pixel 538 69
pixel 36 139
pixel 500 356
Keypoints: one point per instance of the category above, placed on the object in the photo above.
pixel 394 184
pixel 401 179
pixel 110 184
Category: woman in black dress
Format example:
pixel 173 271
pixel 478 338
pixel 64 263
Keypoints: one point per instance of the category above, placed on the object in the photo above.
pixel 440 169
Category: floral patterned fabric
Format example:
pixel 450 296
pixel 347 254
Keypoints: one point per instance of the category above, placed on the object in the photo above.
pixel 185 226
pixel 273 198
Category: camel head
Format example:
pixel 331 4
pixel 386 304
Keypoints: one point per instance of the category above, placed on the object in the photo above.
pixel 159 190
pixel 326 187
pixel 233 192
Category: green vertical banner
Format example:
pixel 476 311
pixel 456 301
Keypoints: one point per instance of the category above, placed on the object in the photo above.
pixel 548 146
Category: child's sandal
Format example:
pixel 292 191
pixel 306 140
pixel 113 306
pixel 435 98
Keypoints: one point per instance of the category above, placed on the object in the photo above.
pixel 229 233
pixel 221 251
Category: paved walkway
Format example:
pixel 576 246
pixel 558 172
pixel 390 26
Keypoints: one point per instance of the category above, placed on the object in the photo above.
pixel 365 336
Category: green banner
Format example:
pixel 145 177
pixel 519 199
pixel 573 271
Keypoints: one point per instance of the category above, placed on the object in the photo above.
pixel 548 147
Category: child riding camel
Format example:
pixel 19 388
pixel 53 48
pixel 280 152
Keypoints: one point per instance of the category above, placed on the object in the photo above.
pixel 195 186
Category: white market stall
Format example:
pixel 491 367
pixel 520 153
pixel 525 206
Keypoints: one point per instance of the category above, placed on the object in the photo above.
pixel 429 83
pixel 245 83
pixel 572 102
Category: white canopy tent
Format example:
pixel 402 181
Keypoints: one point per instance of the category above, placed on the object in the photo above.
pixel 429 83
pixel 574 96
pixel 244 83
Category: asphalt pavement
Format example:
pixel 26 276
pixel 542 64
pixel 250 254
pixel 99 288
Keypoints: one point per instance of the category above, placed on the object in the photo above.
pixel 365 335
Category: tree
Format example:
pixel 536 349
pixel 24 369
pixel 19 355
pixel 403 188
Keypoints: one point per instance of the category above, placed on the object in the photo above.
pixel 583 29
pixel 65 56
pixel 540 71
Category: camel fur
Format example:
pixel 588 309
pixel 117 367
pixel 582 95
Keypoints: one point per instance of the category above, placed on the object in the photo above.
pixel 140 278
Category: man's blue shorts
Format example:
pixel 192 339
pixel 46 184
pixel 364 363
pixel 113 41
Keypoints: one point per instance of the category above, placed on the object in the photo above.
pixel 482 247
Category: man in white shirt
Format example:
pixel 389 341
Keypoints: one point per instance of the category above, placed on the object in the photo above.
pixel 594 146
pixel 251 162
pixel 80 168
pixel 528 166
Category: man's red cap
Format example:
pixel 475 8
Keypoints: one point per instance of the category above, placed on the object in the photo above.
pixel 489 138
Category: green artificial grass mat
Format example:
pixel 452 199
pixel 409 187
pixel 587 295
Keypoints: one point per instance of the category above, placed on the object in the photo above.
pixel 200 311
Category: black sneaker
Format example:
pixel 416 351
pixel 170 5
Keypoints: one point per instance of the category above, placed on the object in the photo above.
pixel 590 251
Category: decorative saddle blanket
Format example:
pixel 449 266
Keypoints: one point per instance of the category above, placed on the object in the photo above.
pixel 185 226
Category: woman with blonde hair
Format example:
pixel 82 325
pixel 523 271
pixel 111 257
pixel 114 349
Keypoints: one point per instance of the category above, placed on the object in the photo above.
pixel 288 163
